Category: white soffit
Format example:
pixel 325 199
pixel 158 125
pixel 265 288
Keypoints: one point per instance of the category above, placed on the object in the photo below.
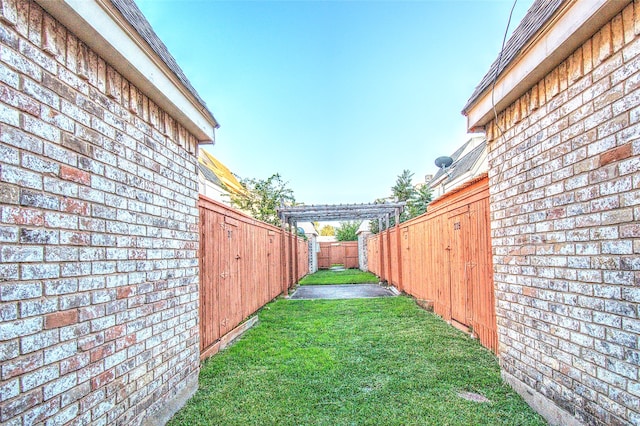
pixel 98 24
pixel 575 24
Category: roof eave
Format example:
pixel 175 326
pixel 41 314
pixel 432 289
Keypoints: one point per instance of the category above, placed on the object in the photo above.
pixel 107 32
pixel 564 32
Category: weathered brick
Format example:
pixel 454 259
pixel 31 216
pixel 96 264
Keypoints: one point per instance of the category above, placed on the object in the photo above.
pixel 20 291
pixel 22 177
pixel 38 341
pixel 615 154
pixel 61 221
pixel 38 236
pixel 9 194
pixel 38 307
pixel 60 385
pixel 72 206
pixel 39 377
pixel 77 145
pixel 40 128
pixel 61 319
pixel 61 254
pixel 22 365
pixel 75 175
pixel 38 199
pixel 19 101
pixel 41 412
pixel 21 254
pixel 39 272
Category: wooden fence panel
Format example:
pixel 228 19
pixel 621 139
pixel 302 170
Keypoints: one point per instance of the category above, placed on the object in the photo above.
pixel 351 259
pixel 243 265
pixel 373 256
pixel 444 256
pixel 336 253
pixel 342 253
pixel 394 258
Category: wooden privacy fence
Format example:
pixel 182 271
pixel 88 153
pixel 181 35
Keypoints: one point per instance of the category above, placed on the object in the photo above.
pixel 244 263
pixel 343 253
pixel 444 256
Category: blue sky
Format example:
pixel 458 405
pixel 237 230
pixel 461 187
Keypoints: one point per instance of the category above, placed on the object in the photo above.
pixel 337 96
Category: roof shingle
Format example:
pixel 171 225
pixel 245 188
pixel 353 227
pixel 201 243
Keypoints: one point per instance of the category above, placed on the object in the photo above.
pixel 136 19
pixel 537 15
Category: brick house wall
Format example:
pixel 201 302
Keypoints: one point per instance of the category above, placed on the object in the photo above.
pixel 98 235
pixel 565 212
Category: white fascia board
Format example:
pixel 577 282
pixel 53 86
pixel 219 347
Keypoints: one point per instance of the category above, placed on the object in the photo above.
pixel 555 42
pixel 102 28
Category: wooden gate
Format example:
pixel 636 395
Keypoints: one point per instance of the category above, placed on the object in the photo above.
pixel 445 258
pixel 338 253
pixel 458 262
pixel 244 263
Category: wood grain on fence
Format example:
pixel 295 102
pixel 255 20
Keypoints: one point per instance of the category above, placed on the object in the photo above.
pixel 244 264
pixel 444 256
pixel 338 253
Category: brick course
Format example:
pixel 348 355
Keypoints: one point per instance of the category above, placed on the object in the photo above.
pixel 98 225
pixel 565 195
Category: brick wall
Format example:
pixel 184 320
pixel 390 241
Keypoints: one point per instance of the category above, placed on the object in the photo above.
pixel 565 207
pixel 98 235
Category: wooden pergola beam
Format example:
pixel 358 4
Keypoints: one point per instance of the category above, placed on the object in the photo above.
pixel 339 211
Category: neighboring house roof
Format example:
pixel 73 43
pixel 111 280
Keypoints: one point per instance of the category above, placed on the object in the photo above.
pixel 537 15
pixel 224 176
pixel 134 16
pixel 462 163
pixel 209 175
pixel 308 228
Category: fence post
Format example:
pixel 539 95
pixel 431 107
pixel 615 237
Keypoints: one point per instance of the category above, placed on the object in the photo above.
pixel 388 251
pixel 283 257
pixel 399 250
pixel 295 243
pixel 380 251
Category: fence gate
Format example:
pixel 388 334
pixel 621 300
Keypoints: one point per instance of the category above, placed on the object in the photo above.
pixel 458 274
pixel 341 253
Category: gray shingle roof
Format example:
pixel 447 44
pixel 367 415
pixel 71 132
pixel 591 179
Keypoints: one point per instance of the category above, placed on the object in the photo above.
pixel 209 175
pixel 461 165
pixel 134 16
pixel 537 15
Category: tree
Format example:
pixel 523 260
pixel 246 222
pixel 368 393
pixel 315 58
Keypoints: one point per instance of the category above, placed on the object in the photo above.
pixel 327 231
pixel 262 198
pixel 403 189
pixel 416 199
pixel 417 204
pixel 347 231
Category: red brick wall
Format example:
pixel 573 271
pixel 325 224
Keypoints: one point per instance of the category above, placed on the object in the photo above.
pixel 565 206
pixel 98 235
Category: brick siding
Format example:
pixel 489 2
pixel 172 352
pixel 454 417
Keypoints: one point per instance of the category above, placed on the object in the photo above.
pixel 98 235
pixel 565 211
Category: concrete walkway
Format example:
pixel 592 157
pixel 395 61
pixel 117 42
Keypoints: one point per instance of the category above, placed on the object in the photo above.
pixel 343 291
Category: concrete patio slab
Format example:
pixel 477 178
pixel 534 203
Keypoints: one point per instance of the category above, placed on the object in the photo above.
pixel 343 291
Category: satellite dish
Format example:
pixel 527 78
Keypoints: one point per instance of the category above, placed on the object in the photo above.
pixel 444 162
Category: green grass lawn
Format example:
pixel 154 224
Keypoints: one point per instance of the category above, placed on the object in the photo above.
pixel 347 276
pixel 352 362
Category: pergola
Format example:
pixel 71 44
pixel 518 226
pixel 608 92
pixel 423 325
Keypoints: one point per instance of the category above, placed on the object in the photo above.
pixel 327 212
pixel 294 214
